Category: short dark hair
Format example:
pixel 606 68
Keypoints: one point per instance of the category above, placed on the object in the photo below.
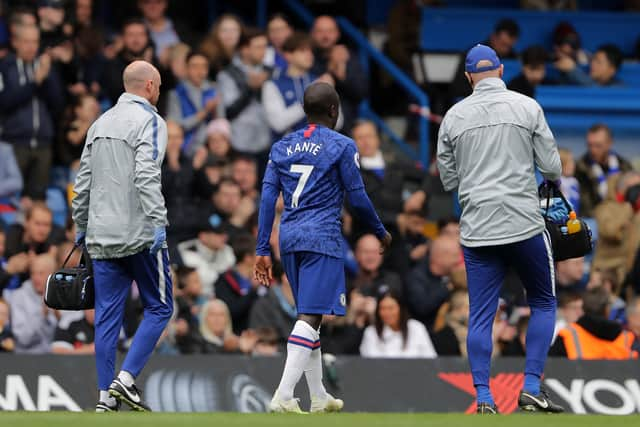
pixel 243 245
pixel 509 26
pixel 613 53
pixel 182 273
pixel 248 34
pixel 240 157
pixel 133 21
pixel 193 54
pixel 279 15
pixel 534 56
pixel 566 298
pixel 596 302
pixel 601 127
pixel 226 181
pixel 296 41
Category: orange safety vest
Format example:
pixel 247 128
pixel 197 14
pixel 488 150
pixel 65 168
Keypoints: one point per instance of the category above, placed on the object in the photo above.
pixel 581 344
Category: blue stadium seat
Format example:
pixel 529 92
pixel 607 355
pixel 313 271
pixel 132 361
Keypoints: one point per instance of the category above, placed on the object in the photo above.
pixel 448 30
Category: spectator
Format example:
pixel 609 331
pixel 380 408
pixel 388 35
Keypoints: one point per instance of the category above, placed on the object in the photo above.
pixel 220 44
pixel 81 114
pixel 517 347
pixel 570 309
pixel 177 63
pixel 209 253
pixel 21 16
pixel 394 335
pixel 533 72
pixel 183 189
pixel 241 86
pixel 282 96
pixel 33 323
pixel 30 95
pixel 244 171
pixel 594 336
pixel 570 275
pixel 136 45
pixel 227 201
pixel 618 222
pixel 451 339
pixel 219 141
pixel 189 305
pixel 595 167
pixel 37 236
pixel 633 316
pixel 236 287
pixel 278 31
pixel 343 335
pixel 604 66
pixel 78 338
pixel 194 102
pixel 7 343
pixel 502 40
pixel 216 330
pixel 569 185
pixel 343 66
pixel 385 182
pixel 10 267
pixel 566 43
pixel 275 310
pixel 83 13
pixel 428 284
pixel 10 180
pixel 51 19
pixel 267 342
pixel 371 278
pixel 163 31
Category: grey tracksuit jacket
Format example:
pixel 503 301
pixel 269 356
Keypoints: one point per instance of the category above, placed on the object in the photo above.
pixel 488 147
pixel 118 198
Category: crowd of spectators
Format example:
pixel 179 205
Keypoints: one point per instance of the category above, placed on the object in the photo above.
pixel 227 96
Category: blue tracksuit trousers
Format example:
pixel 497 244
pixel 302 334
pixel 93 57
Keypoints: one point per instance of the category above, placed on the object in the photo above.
pixel 532 259
pixel 113 278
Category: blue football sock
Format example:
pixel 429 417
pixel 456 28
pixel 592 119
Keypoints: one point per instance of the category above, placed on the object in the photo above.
pixel 484 394
pixel 532 384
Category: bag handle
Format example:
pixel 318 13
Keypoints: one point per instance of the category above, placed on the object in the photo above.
pixel 85 260
pixel 552 188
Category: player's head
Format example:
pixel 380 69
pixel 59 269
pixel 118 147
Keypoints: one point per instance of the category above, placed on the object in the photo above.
pixel 482 62
pixel 322 104
pixel 142 79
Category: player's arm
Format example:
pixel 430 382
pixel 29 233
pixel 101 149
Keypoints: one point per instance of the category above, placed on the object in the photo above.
pixel 269 196
pixel 357 196
pixel 545 151
pixel 446 160
pixel 147 174
pixel 80 203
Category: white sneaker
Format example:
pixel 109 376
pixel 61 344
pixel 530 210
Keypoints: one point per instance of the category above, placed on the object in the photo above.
pixel 285 406
pixel 328 404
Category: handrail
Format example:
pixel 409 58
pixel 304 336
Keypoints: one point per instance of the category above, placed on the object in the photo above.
pixel 367 50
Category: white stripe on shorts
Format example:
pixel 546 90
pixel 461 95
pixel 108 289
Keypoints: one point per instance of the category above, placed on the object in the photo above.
pixel 547 243
pixel 162 286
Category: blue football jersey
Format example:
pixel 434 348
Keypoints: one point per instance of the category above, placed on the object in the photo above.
pixel 313 167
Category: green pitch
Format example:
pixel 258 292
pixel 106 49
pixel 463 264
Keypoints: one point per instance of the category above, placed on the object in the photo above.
pixel 55 419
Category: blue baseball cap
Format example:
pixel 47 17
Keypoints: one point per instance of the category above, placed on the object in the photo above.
pixel 480 53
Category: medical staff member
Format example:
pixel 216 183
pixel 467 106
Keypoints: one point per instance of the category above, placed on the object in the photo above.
pixel 488 147
pixel 120 214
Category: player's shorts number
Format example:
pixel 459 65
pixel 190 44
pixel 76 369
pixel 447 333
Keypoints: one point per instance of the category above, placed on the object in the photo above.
pixel 305 171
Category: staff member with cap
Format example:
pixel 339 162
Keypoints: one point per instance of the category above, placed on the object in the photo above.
pixel 488 146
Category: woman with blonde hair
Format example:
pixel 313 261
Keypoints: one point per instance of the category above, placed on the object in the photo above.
pixel 216 330
pixel 221 42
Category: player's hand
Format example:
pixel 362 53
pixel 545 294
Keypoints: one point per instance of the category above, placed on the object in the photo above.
pixel 262 271
pixel 386 242
pixel 159 237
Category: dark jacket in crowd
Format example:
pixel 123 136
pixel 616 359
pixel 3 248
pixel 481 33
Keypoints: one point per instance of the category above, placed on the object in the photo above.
pixel 589 196
pixel 425 293
pixel 28 110
pixel 352 90
pixel 371 287
pixel 229 288
pixel 445 342
pixel 271 311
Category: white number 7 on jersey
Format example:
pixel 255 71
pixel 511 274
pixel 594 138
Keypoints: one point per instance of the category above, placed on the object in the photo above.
pixel 305 170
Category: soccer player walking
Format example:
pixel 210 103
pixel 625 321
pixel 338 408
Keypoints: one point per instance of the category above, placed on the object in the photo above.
pixel 313 168
pixel 119 212
pixel 488 146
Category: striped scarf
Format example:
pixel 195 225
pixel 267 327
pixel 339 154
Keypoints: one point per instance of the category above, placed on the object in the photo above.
pixel 598 172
